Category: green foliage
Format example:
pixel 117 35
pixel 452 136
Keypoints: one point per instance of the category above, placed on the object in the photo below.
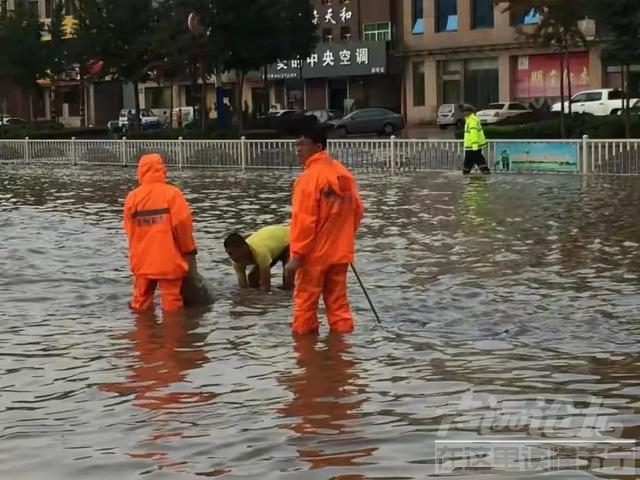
pixel 593 126
pixel 208 135
pixel 56 48
pixel 24 62
pixel 559 21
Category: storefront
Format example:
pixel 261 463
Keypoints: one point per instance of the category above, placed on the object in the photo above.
pixel 537 77
pixel 338 76
pixel 474 81
pixel 613 79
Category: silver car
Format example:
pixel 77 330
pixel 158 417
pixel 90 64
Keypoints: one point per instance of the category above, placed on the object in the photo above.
pixel 451 114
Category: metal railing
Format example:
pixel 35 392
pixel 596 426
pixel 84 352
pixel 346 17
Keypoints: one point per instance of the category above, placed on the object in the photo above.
pixel 375 155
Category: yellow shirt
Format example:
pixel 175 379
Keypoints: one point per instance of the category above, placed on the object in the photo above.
pixel 266 245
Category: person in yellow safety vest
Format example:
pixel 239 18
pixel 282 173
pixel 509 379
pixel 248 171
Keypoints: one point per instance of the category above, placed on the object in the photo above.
pixel 474 142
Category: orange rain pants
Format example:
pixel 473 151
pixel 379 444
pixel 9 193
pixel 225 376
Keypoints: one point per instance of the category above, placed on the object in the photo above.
pixel 159 227
pixel 144 290
pixel 329 282
pixel 326 213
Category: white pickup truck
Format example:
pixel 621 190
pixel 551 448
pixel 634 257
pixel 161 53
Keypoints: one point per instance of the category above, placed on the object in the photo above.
pixel 605 101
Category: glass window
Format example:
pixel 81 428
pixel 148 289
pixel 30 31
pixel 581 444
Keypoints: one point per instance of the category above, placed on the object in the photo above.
pixel 447 15
pixel 532 17
pixel 517 106
pixel 581 97
pixel 33 6
pixel 496 106
pixel 70 7
pixel 327 35
pixel 417 17
pixel 376 32
pixel 482 14
pixel 345 33
pixel 593 97
pixel 419 93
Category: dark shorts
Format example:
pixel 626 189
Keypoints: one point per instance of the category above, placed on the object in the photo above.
pixel 474 158
pixel 283 257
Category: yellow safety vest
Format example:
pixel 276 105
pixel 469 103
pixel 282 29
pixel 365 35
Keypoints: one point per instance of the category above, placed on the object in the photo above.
pixel 474 138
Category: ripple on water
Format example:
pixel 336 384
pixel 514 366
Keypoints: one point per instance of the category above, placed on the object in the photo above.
pixel 508 305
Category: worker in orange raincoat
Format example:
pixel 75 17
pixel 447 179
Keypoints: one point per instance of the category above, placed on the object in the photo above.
pixel 159 227
pixel 326 213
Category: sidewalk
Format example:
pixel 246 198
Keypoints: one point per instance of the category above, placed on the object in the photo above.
pixel 430 132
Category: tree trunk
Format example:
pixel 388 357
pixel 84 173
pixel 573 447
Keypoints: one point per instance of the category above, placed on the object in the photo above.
pixel 31 107
pixel 52 100
pixel 266 88
pixel 239 108
pixel 83 101
pixel 563 132
pixel 171 104
pixel 194 86
pixel 569 84
pixel 137 127
pixel 626 101
pixel 205 113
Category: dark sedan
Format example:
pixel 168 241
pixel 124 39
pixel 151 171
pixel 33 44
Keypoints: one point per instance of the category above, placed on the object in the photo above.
pixel 367 121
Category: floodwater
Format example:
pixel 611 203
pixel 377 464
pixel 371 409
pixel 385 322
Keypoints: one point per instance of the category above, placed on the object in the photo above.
pixel 509 308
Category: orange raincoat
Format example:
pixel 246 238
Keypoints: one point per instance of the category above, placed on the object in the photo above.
pixel 326 214
pixel 159 228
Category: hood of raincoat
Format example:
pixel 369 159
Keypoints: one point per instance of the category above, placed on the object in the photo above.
pixel 151 169
pixel 323 160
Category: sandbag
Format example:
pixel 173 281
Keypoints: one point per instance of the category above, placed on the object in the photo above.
pixel 194 291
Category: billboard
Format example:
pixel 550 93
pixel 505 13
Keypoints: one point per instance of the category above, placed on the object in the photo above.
pixel 539 75
pixel 331 60
pixel 536 157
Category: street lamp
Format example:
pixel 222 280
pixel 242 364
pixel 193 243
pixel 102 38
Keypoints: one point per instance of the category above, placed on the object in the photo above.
pixel 197 29
pixel 588 28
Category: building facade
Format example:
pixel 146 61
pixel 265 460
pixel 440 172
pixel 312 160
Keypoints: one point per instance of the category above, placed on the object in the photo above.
pixel 469 51
pixel 351 66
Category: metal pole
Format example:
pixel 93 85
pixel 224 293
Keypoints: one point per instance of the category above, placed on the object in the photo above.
pixel 364 290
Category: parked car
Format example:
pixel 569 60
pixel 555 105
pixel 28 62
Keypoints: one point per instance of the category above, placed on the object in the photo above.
pixel 451 114
pixel 367 121
pixel 498 111
pixel 634 108
pixel 603 101
pixel 324 116
pixel 148 120
pixel 8 121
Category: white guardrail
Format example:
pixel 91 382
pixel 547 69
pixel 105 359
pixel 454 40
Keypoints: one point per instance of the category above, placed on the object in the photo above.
pixel 389 154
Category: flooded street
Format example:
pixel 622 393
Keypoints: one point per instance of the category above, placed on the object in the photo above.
pixel 504 301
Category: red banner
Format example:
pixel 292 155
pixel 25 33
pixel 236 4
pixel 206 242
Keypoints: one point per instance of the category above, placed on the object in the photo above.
pixel 539 75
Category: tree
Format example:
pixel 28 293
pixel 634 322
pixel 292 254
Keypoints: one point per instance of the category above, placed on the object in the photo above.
pixel 248 35
pixel 188 54
pixel 24 63
pixel 558 28
pixel 56 52
pixel 620 24
pixel 119 33
pixel 175 45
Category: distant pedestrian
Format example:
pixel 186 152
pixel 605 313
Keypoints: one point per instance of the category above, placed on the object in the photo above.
pixel 474 142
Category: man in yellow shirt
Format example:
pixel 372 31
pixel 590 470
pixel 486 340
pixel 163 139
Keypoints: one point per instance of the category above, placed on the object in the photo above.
pixel 264 249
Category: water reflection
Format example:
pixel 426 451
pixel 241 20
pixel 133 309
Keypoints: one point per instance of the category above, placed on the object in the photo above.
pixel 325 404
pixel 165 350
pixel 512 287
